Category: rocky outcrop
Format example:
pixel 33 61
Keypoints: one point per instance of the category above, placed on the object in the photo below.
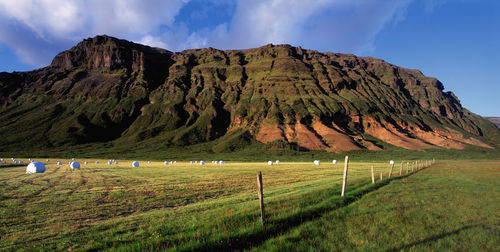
pixel 106 89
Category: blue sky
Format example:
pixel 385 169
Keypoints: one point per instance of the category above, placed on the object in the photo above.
pixel 456 41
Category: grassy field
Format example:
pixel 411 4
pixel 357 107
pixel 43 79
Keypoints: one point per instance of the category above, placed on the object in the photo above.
pixel 182 206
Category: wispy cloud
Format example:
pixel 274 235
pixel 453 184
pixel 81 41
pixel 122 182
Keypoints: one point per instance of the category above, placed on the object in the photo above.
pixel 336 25
pixel 37 30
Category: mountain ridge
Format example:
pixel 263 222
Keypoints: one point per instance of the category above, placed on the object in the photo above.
pixel 494 119
pixel 110 90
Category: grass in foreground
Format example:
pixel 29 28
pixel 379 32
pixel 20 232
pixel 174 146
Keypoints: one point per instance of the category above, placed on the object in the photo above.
pixel 451 206
pixel 190 207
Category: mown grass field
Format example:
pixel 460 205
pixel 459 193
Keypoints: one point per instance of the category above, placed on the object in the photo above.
pixel 182 206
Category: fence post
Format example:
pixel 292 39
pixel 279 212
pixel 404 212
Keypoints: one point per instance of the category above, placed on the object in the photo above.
pixel 373 176
pixel 381 175
pixel 401 168
pixel 390 172
pixel 344 181
pixel 407 164
pixel 261 197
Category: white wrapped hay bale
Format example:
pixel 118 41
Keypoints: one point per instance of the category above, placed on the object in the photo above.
pixel 317 162
pixel 135 164
pixel 149 162
pixel 334 161
pixel 391 162
pixel 221 162
pixel 277 162
pixel 110 162
pixel 74 165
pixel 96 162
pixel 116 162
pixel 86 162
pixel 269 162
pixel 59 163
pixel 35 167
pixel 191 162
pixel 73 159
pixel 166 162
pixel 202 162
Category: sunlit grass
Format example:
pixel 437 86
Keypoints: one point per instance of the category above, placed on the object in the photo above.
pixel 176 206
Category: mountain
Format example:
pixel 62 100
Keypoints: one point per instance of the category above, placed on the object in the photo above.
pixel 494 120
pixel 107 90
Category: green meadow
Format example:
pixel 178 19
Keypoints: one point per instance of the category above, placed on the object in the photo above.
pixel 450 205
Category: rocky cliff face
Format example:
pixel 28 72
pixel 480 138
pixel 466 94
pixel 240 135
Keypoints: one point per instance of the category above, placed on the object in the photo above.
pixel 110 90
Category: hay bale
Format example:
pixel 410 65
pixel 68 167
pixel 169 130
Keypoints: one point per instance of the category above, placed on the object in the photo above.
pixel 110 162
pixel 135 164
pixel 277 162
pixel 73 159
pixel 35 167
pixel 202 162
pixel 74 165
pixel 86 162
pixel 269 162
pixel 96 162
pixel 334 161
pixel 59 163
pixel 149 162
pixel 391 162
pixel 221 162
pixel 191 162
pixel 116 162
pixel 317 162
pixel 166 162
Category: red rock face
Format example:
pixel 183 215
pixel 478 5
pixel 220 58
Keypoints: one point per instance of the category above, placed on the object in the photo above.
pixel 111 89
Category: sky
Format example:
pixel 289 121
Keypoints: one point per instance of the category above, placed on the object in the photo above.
pixel 456 41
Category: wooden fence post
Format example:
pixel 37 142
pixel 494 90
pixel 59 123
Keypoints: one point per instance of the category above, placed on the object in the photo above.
pixel 390 172
pixel 407 164
pixel 381 175
pixel 401 169
pixel 344 181
pixel 373 176
pixel 261 197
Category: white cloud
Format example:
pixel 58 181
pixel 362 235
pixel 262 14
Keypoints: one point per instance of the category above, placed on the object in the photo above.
pixel 152 41
pixel 48 23
pixel 334 25
pixel 38 29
